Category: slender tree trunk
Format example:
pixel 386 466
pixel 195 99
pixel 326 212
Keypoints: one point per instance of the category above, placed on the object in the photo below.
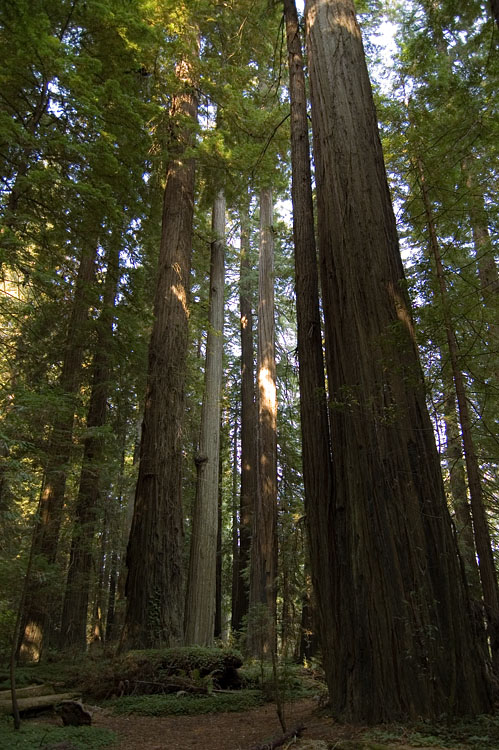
pixel 155 582
pixel 235 518
pixel 111 600
pixel 201 583
pixel 494 6
pixel 263 570
pixel 397 632
pixel 483 541
pixel 488 274
pixel 240 601
pixel 317 465
pixel 75 607
pixel 459 490
pixel 36 620
pixel 219 566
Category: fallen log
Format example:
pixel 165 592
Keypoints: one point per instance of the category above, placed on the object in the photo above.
pixel 35 704
pixel 279 741
pixel 30 691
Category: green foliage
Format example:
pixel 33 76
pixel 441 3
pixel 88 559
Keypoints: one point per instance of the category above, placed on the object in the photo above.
pixel 481 733
pixel 187 659
pixel 188 705
pixel 293 681
pixel 7 623
pixel 32 736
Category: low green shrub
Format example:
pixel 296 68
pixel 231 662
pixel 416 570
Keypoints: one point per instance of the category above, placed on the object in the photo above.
pixel 293 680
pixel 480 733
pixel 32 736
pixel 187 705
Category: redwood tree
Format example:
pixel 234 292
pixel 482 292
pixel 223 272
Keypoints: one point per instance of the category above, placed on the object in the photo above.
pixel 154 588
pixel 200 597
pixel 316 452
pixel 248 430
pixel 397 633
pixel 263 568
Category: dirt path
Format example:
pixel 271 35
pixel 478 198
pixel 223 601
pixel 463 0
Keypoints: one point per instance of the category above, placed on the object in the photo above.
pixel 231 731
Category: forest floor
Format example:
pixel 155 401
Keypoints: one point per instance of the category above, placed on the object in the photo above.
pixel 257 727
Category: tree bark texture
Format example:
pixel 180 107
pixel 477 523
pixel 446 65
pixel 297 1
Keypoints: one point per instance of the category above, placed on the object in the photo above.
pixel 397 634
pixel 154 588
pixel 36 618
pixel 75 606
pixel 483 542
pixel 263 570
pixel 248 427
pixel 316 447
pixel 459 490
pixel 201 582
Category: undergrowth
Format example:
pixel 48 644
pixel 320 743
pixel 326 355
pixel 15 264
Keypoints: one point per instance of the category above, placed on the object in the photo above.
pixel 187 705
pixel 481 733
pixel 33 736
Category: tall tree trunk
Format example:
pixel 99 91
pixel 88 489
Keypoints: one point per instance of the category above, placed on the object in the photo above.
pixel 240 600
pixel 316 449
pixel 154 588
pixel 36 621
pixel 263 569
pixel 201 582
pixel 397 632
pixel 111 600
pixel 75 607
pixel 219 567
pixel 483 541
pixel 459 490
pixel 494 6
pixel 488 274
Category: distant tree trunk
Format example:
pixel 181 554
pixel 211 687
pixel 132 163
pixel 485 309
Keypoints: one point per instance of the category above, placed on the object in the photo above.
pixel 316 449
pixel 459 491
pixel 396 628
pixel 75 607
pixel 248 427
pixel 111 600
pixel 201 582
pixel 98 603
pixel 488 274
pixel 309 642
pixel 483 541
pixel 219 568
pixel 494 6
pixel 154 588
pixel 263 569
pixel 36 620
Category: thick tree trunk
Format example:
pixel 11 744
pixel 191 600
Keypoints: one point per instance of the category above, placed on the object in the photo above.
pixel 240 600
pixel 483 541
pixel 397 633
pixel 263 569
pixel 74 611
pixel 36 621
pixel 154 588
pixel 201 582
pixel 316 449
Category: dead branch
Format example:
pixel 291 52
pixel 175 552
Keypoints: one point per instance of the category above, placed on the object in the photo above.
pixel 296 732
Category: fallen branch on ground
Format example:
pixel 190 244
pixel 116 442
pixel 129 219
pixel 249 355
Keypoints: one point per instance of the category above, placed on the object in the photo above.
pixel 296 732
